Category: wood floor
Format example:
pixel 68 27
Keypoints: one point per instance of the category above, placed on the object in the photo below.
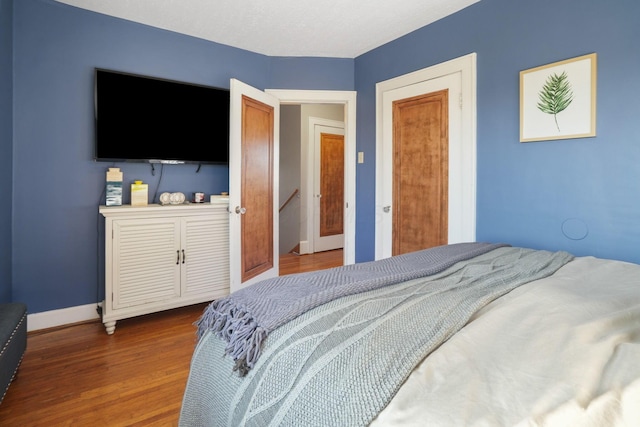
pixel 80 376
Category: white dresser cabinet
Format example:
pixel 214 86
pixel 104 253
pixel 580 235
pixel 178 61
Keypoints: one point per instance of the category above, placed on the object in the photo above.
pixel 161 257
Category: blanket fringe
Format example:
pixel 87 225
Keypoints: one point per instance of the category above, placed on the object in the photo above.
pixel 238 328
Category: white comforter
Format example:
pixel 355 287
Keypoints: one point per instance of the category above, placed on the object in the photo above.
pixel 561 351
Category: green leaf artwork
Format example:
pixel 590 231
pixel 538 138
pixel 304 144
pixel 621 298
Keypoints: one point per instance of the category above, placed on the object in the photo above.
pixel 555 96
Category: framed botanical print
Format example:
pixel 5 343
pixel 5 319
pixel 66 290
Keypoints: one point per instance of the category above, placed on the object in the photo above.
pixel 558 100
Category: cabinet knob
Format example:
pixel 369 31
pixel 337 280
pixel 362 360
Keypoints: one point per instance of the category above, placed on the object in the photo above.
pixel 240 210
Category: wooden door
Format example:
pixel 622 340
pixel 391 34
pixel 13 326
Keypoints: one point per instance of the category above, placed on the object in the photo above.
pixel 329 187
pixel 458 213
pixel 420 172
pixel 257 188
pixel 253 185
pixel 331 184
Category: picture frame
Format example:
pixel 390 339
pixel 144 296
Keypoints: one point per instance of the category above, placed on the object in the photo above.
pixel 558 100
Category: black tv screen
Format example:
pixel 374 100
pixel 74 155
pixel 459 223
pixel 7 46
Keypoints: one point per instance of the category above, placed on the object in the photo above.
pixel 146 119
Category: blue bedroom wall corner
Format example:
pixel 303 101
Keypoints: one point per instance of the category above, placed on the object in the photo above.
pixel 6 145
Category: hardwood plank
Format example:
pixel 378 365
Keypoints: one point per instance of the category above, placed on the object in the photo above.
pixel 293 263
pixel 79 376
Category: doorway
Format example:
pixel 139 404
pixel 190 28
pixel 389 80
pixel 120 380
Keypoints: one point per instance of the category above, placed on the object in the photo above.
pixel 312 206
pixel 241 130
pixel 457 77
pixel 308 104
pixel 327 200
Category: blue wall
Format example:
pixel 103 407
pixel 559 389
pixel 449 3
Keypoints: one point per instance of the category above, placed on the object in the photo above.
pixel 58 243
pixel 525 191
pixel 6 146
pixel 311 73
pixel 580 195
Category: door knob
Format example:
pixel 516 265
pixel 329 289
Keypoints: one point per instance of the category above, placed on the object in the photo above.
pixel 240 210
pixel 386 209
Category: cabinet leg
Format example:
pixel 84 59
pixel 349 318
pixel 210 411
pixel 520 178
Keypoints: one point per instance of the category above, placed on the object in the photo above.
pixel 110 327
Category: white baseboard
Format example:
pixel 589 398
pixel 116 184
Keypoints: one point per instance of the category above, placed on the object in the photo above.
pixel 63 316
pixel 304 247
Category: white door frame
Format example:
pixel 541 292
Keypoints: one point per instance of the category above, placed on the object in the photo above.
pixel 463 225
pixel 348 99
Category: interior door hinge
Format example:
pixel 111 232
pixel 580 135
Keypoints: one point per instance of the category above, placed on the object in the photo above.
pixel 460 99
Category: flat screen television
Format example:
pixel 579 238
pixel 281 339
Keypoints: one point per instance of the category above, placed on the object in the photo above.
pixel 147 119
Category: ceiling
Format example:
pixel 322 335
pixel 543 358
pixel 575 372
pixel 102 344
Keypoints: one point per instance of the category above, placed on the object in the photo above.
pixel 320 28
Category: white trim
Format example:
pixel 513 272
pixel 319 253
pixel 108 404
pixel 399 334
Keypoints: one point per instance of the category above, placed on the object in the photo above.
pixel 348 98
pixel 63 316
pixel 466 66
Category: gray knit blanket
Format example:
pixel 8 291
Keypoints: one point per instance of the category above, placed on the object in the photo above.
pixel 340 363
pixel 246 317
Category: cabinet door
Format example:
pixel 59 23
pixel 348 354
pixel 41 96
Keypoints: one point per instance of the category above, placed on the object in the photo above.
pixel 205 266
pixel 146 261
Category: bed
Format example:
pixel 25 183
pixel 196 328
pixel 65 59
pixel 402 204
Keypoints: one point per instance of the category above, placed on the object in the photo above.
pixel 470 334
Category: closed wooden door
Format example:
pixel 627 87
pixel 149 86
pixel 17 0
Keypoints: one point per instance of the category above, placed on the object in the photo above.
pixel 329 187
pixel 420 172
pixel 458 78
pixel 331 184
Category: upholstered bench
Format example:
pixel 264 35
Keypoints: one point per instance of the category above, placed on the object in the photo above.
pixel 13 342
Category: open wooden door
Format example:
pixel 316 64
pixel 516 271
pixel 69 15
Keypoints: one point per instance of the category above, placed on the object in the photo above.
pixel 253 185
